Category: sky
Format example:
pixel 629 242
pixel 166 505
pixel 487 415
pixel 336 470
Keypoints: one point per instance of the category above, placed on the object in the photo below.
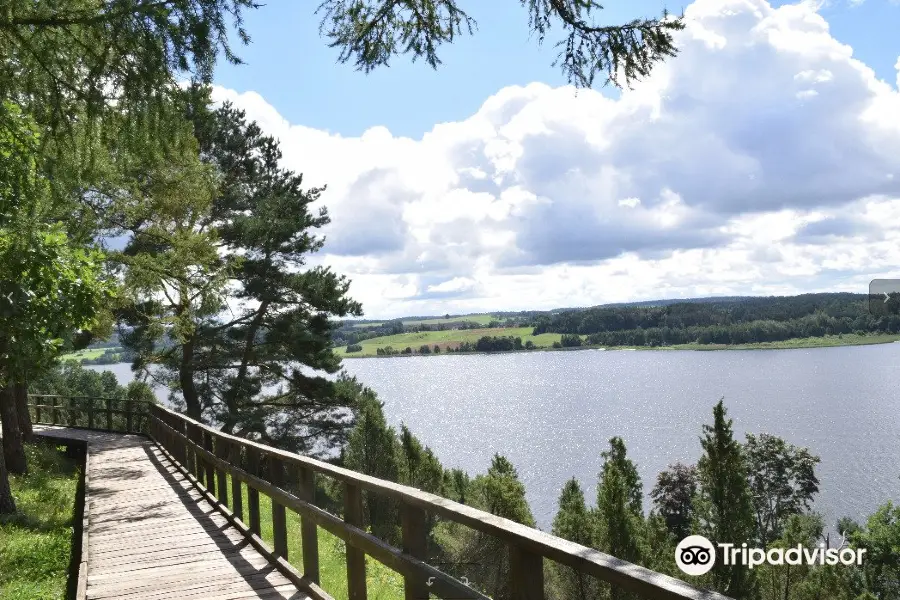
pixel 763 160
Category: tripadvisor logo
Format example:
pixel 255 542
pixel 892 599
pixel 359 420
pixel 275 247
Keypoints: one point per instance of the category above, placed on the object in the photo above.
pixel 696 555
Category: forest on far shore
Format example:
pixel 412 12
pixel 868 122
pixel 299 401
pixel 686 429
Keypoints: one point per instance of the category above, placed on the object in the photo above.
pixel 704 321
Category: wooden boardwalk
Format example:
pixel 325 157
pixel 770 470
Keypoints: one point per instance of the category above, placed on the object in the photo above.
pixel 153 536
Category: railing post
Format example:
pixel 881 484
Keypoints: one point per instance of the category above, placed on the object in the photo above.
pixel 70 417
pixel 253 493
pixel 415 543
pixel 90 412
pixel 37 410
pixel 221 451
pixel 356 558
pixel 196 437
pixel 309 532
pixel 129 423
pixel 54 412
pixel 210 472
pixel 189 454
pixel 526 574
pixel 109 414
pixel 237 496
pixel 279 516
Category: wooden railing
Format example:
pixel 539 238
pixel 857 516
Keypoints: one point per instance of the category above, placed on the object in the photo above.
pixel 91 412
pixel 289 480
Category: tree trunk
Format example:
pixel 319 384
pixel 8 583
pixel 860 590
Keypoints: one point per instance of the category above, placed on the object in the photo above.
pixel 13 450
pixel 7 503
pixel 186 378
pixel 21 392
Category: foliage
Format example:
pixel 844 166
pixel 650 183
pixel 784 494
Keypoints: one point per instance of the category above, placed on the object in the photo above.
pixel 619 517
pixel 256 371
pixel 724 507
pixel 673 496
pixel 782 482
pixel 105 58
pixel 370 32
pixel 881 538
pixel 573 522
pixel 373 449
pixel 720 321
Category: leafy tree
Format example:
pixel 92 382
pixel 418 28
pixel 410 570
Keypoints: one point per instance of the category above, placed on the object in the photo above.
pixel 353 348
pixel 370 32
pixel 777 582
pixel 724 506
pixel 673 496
pixel 424 349
pixel 50 289
pixel 573 522
pixel 437 349
pixel 881 539
pixel 782 482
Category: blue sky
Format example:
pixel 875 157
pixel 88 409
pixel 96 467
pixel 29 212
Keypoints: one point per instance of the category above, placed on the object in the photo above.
pixel 764 159
pixel 292 67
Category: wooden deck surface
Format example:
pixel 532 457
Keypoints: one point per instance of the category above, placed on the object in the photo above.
pixel 152 536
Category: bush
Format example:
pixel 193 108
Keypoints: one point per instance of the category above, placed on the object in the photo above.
pixel 353 348
pixel 570 340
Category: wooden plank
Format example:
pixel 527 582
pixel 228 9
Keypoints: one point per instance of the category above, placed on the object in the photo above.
pixel 152 532
pixel 237 496
pixel 356 558
pixel 279 515
pixel 253 493
pixel 309 531
pixel 415 543
pixel 526 575
pixel 221 450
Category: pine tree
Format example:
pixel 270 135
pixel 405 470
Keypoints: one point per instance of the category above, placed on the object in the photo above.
pixel 724 508
pixel 258 371
pixel 573 523
pixel 372 449
pixel 619 513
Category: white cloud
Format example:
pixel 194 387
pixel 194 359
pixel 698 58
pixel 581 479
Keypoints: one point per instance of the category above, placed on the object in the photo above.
pixel 760 160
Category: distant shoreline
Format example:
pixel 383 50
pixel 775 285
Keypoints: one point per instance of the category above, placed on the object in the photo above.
pixel 792 344
pixel 831 341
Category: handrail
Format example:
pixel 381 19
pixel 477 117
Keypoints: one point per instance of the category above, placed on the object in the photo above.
pixel 289 480
pixel 82 411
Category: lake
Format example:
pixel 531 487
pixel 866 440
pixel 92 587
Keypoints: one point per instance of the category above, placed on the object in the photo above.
pixel 552 413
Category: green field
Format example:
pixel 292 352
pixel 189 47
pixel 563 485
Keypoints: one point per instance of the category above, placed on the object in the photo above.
pixel 813 342
pixel 450 338
pixel 480 319
pixel 88 354
pixel 35 542
pixel 545 341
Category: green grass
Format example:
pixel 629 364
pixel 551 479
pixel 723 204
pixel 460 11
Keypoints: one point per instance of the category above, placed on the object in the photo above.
pixel 87 354
pixel 35 544
pixel 450 337
pixel 383 583
pixel 848 339
pixel 480 319
pixel 545 341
